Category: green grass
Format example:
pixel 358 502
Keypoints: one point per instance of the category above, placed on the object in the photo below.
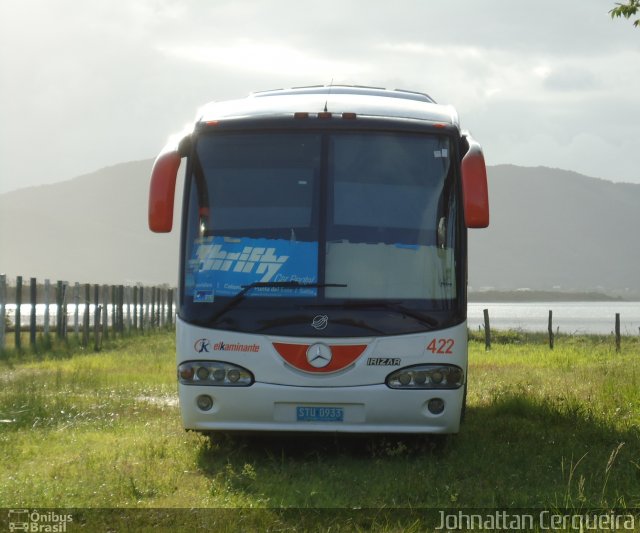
pixel 544 429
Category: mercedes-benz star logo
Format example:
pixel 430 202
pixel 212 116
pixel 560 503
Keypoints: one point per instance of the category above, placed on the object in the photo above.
pixel 319 355
pixel 320 321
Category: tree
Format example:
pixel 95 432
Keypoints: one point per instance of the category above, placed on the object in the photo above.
pixel 627 11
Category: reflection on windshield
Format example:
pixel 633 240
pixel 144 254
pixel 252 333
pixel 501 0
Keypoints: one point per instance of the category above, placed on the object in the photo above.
pixel 386 194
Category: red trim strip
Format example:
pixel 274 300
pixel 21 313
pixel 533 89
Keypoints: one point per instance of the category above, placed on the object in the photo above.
pixel 296 356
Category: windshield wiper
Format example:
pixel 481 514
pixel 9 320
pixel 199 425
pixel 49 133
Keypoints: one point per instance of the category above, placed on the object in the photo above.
pixel 393 306
pixel 272 284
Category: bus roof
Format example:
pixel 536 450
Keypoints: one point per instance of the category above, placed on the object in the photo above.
pixel 363 101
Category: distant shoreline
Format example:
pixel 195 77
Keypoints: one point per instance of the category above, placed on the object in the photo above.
pixel 540 296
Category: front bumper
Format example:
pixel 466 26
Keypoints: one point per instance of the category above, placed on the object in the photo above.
pixel 367 409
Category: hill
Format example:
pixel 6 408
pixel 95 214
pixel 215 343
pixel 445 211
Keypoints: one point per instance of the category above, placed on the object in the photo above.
pixel 90 229
pixel 554 229
pixel 550 229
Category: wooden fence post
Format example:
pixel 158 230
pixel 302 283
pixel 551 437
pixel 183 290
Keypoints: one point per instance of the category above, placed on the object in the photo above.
pixel 121 309
pixel 32 322
pixel 97 311
pixel 127 305
pixel 135 308
pixel 59 296
pixel 85 328
pixel 3 309
pixel 18 325
pixel 153 307
pixel 59 308
pixel 63 309
pixel 163 303
pixel 157 306
pixel 170 307
pixel 550 329
pixel 487 330
pixel 141 304
pixel 114 322
pixel 105 312
pixel 147 315
pixel 47 287
pixel 617 332
pixel 76 303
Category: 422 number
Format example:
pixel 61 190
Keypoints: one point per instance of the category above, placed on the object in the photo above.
pixel 441 346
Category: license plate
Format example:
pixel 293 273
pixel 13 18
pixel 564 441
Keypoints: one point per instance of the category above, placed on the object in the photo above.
pixel 319 414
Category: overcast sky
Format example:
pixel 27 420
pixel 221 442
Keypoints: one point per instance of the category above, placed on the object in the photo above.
pixel 90 83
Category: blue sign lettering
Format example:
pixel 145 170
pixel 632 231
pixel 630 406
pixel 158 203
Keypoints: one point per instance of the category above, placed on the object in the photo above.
pixel 222 266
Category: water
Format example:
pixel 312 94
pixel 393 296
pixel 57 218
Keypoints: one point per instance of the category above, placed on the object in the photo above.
pixel 128 310
pixel 569 317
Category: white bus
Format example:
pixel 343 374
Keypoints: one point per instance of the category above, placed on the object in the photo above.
pixel 323 261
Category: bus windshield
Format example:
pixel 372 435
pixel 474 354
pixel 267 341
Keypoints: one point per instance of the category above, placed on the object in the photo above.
pixel 361 227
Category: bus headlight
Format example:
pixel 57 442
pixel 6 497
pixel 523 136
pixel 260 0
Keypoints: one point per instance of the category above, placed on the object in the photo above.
pixel 215 373
pixel 426 377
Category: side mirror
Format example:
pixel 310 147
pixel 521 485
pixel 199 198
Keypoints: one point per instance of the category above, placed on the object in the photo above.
pixel 475 191
pixel 162 191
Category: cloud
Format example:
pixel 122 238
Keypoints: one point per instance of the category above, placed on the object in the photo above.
pixel 93 83
pixel 430 50
pixel 266 58
pixel 570 79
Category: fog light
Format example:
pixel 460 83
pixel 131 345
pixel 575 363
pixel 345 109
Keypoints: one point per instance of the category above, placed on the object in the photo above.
pixel 202 373
pixel 233 375
pixel 436 406
pixel 204 402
